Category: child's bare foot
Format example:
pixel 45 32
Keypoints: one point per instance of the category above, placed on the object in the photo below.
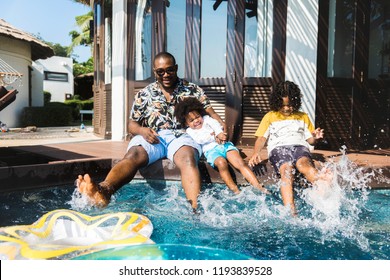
pixel 322 187
pixel 237 191
pixel 262 189
pixel 326 175
pixel 86 186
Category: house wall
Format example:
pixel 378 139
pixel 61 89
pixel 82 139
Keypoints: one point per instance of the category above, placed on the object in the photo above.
pixel 118 70
pixel 18 55
pixel 58 89
pixel 301 50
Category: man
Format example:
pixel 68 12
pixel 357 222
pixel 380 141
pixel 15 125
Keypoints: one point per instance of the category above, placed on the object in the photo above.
pixel 156 135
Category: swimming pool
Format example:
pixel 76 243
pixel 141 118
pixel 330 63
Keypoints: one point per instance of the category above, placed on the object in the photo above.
pixel 351 222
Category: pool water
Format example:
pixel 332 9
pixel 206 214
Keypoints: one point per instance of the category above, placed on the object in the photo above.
pixel 349 222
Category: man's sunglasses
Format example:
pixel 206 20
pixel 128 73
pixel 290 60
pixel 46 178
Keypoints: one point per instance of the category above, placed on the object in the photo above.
pixel 169 70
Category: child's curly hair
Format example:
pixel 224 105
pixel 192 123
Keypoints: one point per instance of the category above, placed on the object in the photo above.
pixel 187 105
pixel 285 89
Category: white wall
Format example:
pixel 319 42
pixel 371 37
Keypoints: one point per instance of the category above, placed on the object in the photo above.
pixel 301 50
pixel 17 54
pixel 119 39
pixel 58 89
pixel 37 88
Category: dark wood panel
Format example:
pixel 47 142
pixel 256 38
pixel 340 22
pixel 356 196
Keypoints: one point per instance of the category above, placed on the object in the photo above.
pixel 255 106
pixel 378 111
pixel 337 121
pixel 217 96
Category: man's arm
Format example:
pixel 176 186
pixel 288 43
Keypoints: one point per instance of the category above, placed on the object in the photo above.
pixel 215 116
pixel 223 138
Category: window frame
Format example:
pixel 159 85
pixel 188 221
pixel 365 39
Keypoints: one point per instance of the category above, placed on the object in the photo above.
pixel 47 73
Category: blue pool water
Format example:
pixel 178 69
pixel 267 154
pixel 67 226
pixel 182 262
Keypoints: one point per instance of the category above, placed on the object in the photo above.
pixel 351 222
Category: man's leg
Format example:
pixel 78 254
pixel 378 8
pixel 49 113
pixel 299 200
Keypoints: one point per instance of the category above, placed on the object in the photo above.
pixel 186 159
pixel 120 174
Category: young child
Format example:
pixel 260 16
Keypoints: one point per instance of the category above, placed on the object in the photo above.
pixel 209 134
pixel 289 133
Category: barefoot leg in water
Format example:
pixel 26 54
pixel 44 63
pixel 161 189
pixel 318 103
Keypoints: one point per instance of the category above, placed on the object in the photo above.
pixel 321 180
pixel 86 186
pixel 120 174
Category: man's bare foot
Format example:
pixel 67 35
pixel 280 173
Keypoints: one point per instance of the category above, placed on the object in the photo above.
pixel 86 186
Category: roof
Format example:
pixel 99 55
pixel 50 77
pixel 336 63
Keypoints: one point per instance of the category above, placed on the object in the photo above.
pixel 86 2
pixel 86 75
pixel 39 50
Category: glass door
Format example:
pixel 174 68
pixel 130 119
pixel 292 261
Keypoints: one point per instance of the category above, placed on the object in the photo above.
pixel 377 84
pixel 224 46
pixel 352 73
pixel 264 41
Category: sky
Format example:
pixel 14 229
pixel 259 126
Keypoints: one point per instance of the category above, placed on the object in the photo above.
pixel 52 20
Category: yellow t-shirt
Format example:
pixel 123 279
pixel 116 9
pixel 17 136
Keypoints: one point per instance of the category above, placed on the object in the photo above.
pixel 282 130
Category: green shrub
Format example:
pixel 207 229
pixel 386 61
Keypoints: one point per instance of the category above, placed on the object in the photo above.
pixel 52 115
pixel 46 97
pixel 87 104
pixel 78 105
pixel 56 104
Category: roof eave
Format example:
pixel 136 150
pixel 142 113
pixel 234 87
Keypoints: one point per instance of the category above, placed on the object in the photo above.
pixel 40 52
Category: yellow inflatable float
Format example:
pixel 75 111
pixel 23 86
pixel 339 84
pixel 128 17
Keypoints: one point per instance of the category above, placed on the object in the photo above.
pixel 65 234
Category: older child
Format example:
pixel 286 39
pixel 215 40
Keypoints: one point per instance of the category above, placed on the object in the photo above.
pixel 209 134
pixel 289 133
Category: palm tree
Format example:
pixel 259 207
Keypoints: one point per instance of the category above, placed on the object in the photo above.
pixel 85 2
pixel 82 22
pixel 83 38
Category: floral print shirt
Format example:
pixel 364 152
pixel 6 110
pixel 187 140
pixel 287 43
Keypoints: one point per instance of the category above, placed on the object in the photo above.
pixel 151 108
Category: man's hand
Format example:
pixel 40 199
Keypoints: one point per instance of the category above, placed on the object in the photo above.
pixel 149 135
pixel 221 138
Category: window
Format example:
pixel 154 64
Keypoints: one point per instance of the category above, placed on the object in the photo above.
pixel 97 16
pixel 107 42
pixel 213 39
pixel 143 40
pixel 379 48
pixel 56 76
pixel 258 38
pixel 341 38
pixel 176 22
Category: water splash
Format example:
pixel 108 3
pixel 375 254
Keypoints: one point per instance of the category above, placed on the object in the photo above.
pixel 80 202
pixel 256 224
pixel 335 210
pixel 330 212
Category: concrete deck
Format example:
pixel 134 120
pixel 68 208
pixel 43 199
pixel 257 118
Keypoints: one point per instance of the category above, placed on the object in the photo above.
pixel 56 156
